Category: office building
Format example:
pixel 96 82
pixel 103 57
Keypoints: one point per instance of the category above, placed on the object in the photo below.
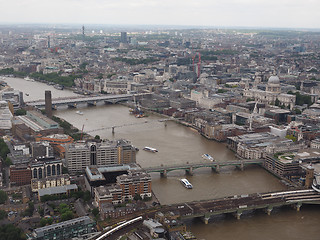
pixel 81 154
pixel 20 175
pixel 64 230
pixel 46 167
pixel 124 38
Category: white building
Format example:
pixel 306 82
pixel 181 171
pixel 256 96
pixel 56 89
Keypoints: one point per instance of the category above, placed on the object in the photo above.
pixel 272 93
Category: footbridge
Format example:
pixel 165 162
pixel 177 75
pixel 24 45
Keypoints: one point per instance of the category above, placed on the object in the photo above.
pixel 190 167
pixel 90 100
pixel 240 204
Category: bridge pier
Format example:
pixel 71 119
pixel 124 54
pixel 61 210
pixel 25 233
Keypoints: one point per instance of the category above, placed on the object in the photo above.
pixel 189 171
pixel 216 169
pixel 205 219
pixel 297 206
pixel 164 173
pixel 72 105
pixel 237 214
pixel 268 210
pixel 241 166
pixel 92 103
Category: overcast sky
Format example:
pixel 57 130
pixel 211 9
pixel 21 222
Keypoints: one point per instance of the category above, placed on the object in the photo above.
pixel 230 13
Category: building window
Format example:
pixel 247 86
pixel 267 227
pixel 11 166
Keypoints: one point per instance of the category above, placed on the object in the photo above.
pixel 53 170
pixel 93 155
pixel 35 173
pixel 40 173
pixel 48 171
pixel 58 169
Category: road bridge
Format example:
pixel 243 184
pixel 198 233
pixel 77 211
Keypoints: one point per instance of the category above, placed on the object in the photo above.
pixel 190 167
pixel 90 100
pixel 239 204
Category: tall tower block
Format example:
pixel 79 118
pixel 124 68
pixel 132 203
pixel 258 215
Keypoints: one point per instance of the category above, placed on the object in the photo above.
pixel 124 38
pixel 48 103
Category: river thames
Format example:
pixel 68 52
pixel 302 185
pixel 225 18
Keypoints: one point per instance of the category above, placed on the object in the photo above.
pixel 177 145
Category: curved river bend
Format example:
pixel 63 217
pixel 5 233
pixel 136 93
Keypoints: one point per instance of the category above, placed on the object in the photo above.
pixel 178 145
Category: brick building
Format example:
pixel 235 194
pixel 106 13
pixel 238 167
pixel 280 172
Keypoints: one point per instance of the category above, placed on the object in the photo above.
pixel 20 175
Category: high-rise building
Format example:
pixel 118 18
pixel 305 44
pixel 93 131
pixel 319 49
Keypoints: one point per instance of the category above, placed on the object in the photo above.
pixel 48 103
pixel 123 38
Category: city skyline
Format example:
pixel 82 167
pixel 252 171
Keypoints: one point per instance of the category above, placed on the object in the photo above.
pixel 230 13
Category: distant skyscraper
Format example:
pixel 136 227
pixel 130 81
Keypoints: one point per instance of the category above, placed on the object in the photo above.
pixel 83 30
pixel 48 104
pixel 48 41
pixel 124 37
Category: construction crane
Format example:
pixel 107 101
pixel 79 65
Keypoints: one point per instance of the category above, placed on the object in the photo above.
pixel 82 132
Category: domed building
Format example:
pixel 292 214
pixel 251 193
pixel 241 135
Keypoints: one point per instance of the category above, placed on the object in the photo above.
pixel 274 85
pixel 271 94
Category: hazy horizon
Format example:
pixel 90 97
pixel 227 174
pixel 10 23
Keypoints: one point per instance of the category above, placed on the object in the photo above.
pixel 281 14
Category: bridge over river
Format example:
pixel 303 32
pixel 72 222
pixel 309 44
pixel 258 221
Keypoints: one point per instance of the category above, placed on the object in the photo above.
pixel 90 100
pixel 190 167
pixel 239 204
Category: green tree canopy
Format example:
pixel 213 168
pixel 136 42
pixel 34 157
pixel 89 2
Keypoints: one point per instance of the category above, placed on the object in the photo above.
pixel 10 232
pixel 3 197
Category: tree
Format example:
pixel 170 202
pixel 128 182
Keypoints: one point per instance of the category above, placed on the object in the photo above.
pixel 20 112
pixel 50 221
pixel 10 232
pixel 8 161
pixel 297 111
pixel 43 222
pixel 66 216
pixel 277 102
pixel 291 137
pixel 100 76
pixel 3 214
pixel 97 137
pixel 63 207
pixel 137 197
pixel 86 196
pixel 95 212
pixel 29 211
pixel 3 197
pixel 4 150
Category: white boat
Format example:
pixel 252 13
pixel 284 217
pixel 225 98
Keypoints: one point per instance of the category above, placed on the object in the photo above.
pixel 28 79
pixel 150 149
pixel 207 157
pixel 79 112
pixel 186 183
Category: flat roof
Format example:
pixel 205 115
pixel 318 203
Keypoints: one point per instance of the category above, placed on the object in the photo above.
pixel 40 231
pixel 56 190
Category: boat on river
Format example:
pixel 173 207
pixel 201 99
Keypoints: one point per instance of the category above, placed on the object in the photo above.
pixel 186 183
pixel 150 149
pixel 207 157
pixel 79 112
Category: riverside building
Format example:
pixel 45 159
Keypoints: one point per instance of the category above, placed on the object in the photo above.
pixel 81 154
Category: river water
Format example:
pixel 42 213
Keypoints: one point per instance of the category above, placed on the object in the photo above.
pixel 177 145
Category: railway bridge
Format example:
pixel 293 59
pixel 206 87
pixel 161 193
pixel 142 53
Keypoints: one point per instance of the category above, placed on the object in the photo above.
pixel 190 167
pixel 239 204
